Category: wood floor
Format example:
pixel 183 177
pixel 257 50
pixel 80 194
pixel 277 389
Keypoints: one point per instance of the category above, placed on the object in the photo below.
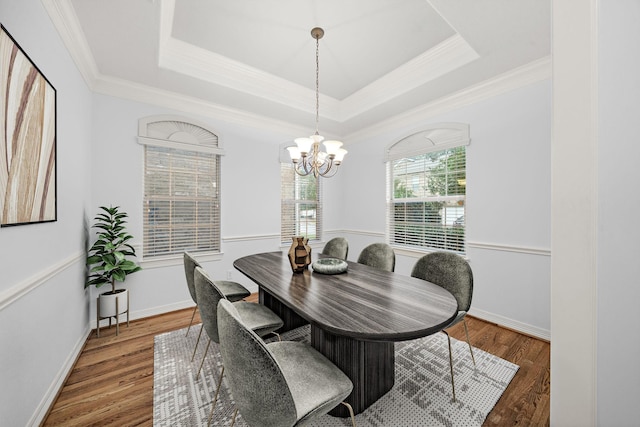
pixel 112 381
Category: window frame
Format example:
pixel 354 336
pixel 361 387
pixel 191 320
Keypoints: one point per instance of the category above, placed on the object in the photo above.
pixel 434 139
pixel 286 168
pixel 180 136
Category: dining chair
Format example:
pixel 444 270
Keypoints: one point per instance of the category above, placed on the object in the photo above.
pixel 453 273
pixel 378 255
pixel 338 247
pixel 234 291
pixel 279 384
pixel 259 318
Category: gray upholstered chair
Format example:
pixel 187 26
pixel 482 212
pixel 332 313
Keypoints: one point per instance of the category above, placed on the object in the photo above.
pixel 277 384
pixel 378 255
pixel 233 291
pixel 258 317
pixel 338 247
pixel 453 273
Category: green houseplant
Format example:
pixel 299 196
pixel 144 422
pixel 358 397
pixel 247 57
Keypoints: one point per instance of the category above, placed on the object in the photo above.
pixel 108 263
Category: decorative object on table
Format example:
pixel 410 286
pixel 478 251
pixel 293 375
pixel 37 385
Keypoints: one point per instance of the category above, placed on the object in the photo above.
pixel 108 264
pixel 299 254
pixel 306 155
pixel 329 266
pixel 421 395
pixel 27 139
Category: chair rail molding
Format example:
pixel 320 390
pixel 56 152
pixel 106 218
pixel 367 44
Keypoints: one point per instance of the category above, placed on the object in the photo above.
pixel 14 293
pixel 509 248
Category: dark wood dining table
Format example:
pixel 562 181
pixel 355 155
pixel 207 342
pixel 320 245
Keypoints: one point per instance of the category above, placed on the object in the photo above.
pixel 355 316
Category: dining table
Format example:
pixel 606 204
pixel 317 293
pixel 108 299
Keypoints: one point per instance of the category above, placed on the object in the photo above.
pixel 356 316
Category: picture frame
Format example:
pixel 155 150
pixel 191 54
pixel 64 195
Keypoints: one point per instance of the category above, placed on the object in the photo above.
pixel 28 152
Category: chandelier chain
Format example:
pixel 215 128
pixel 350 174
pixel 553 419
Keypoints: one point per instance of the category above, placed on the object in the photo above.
pixel 317 83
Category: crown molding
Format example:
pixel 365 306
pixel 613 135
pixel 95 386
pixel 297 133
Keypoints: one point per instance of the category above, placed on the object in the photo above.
pixel 525 75
pixel 441 59
pixel 66 22
pixel 125 89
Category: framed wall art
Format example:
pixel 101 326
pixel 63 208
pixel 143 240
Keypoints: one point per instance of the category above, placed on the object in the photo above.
pixel 28 140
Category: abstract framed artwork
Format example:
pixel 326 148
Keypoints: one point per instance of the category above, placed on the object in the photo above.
pixel 28 142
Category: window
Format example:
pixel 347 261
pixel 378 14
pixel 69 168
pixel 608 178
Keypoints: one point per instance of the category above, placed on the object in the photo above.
pixel 426 182
pixel 301 208
pixel 181 187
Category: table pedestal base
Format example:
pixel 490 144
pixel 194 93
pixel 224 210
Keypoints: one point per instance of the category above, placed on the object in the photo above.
pixel 369 365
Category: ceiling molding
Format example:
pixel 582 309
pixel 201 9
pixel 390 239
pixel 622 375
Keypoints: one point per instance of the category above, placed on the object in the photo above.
pixel 522 76
pixel 150 95
pixel 66 21
pixel 441 59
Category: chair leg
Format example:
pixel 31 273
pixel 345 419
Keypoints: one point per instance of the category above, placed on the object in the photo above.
pixel 353 417
pixel 197 342
pixel 215 398
pixel 453 386
pixel 204 356
pixel 466 331
pixel 192 317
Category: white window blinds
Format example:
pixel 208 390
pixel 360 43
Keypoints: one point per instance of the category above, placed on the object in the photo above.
pixel 427 192
pixel 181 189
pixel 301 208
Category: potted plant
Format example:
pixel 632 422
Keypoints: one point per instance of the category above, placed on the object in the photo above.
pixel 107 262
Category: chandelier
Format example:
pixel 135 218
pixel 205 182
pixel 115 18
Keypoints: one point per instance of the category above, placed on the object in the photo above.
pixel 306 155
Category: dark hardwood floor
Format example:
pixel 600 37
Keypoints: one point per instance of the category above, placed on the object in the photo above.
pixel 111 383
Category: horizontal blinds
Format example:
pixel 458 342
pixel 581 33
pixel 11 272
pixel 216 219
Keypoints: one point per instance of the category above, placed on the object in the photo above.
pixel 426 203
pixel 301 209
pixel 181 201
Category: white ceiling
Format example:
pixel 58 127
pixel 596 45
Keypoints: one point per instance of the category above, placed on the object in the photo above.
pixel 379 59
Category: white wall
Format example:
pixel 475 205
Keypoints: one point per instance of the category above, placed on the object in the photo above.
pixel 44 315
pixel 508 203
pixel 618 293
pixel 250 206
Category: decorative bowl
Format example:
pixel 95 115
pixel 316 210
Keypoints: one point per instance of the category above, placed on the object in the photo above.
pixel 329 266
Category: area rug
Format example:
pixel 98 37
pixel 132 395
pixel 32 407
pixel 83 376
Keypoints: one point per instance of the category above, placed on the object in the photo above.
pixel 421 395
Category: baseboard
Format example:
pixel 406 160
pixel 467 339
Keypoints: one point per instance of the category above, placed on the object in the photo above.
pixel 505 322
pixel 56 386
pixel 154 311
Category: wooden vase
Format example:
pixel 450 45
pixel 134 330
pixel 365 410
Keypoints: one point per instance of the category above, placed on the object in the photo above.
pixel 299 254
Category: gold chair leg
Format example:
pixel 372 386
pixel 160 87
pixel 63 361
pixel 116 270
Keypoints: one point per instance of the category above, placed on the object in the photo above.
pixel 192 317
pixel 353 417
pixel 197 342
pixel 466 331
pixel 215 398
pixel 233 421
pixel 204 356
pixel 453 387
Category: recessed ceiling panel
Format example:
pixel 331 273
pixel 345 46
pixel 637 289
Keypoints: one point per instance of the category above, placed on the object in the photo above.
pixel 363 41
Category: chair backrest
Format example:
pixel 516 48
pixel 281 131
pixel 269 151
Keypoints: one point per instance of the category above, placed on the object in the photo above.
pixel 190 265
pixel 258 386
pixel 449 271
pixel 378 255
pixel 338 247
pixel 208 297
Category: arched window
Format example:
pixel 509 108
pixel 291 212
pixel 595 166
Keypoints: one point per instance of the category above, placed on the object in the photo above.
pixel 426 189
pixel 181 186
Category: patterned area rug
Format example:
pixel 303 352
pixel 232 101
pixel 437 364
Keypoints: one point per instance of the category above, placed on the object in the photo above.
pixel 421 395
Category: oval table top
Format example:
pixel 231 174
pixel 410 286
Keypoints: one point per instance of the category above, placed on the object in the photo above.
pixel 363 303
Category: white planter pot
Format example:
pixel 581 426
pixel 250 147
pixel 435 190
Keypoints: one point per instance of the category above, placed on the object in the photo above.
pixel 107 303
